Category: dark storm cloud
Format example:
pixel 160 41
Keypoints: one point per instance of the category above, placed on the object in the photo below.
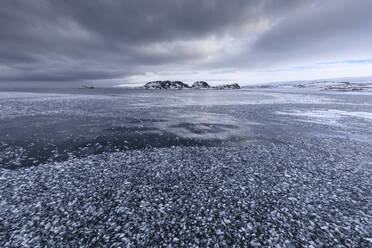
pixel 330 29
pixel 74 40
pixel 69 40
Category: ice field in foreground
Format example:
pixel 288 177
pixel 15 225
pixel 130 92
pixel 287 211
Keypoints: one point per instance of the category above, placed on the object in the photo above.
pixel 254 167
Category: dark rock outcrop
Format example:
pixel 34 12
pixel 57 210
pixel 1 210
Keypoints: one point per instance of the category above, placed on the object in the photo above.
pixel 166 85
pixel 86 87
pixel 200 85
pixel 228 86
pixel 180 85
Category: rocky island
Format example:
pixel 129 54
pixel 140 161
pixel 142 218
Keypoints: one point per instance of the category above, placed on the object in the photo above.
pixel 201 85
pixel 166 85
pixel 180 85
pixel 228 86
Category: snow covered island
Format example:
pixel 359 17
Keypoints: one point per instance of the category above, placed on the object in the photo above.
pixel 200 85
pixel 228 86
pixel 166 85
pixel 180 85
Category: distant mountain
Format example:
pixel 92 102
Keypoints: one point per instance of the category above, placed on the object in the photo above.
pixel 333 85
pixel 313 82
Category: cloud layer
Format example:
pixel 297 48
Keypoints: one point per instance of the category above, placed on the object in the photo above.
pixel 111 41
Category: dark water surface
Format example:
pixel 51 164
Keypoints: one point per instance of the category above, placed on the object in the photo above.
pixel 44 125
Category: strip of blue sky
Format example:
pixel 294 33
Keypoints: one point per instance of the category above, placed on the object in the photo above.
pixel 356 61
pixel 293 68
pixel 308 67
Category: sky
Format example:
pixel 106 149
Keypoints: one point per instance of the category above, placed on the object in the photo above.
pixel 110 42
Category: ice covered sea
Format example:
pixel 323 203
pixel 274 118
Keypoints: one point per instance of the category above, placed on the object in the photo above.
pixel 125 168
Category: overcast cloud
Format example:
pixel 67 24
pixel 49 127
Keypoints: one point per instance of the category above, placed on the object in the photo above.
pixel 125 41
